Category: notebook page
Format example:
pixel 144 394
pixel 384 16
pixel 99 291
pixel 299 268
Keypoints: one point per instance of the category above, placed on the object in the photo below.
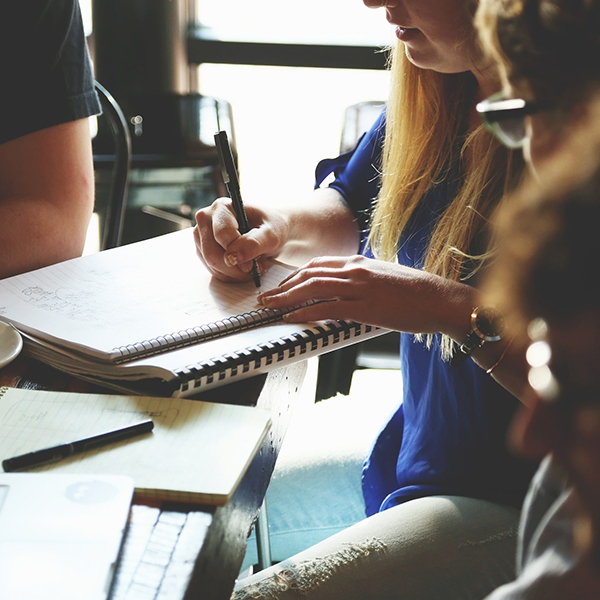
pixel 197 452
pixel 127 295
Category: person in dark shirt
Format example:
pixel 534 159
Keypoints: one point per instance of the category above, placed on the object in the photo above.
pixel 46 166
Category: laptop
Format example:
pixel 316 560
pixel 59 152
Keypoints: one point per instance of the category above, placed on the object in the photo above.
pixel 61 535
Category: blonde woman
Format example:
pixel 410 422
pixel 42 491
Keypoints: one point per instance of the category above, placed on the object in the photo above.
pixel 441 490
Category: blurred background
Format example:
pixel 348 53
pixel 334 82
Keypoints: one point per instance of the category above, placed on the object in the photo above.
pixel 278 75
pixel 291 117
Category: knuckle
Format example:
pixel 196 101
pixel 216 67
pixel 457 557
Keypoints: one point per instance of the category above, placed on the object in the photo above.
pixel 202 218
pixel 221 202
pixel 252 245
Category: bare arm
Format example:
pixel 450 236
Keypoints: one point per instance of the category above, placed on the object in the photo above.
pixel 323 225
pixel 507 365
pixel 46 196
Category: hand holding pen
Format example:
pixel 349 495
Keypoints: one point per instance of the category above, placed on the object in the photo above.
pixel 230 177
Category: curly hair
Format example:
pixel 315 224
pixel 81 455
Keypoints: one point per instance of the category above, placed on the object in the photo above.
pixel 549 49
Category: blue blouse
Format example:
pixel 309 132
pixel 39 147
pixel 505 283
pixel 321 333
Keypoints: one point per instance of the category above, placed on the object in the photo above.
pixel 448 435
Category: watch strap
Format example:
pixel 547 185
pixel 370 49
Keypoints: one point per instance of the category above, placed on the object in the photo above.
pixel 471 343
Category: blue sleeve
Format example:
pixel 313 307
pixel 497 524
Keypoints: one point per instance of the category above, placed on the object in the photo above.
pixel 357 172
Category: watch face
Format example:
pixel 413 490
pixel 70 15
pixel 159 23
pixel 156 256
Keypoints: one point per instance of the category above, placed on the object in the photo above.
pixel 488 324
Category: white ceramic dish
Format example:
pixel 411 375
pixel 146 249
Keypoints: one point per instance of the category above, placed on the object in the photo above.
pixel 11 343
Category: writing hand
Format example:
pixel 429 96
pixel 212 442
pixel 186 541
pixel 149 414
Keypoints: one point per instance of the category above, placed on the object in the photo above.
pixel 226 253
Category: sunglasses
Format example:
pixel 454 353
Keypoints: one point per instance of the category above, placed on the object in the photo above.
pixel 505 118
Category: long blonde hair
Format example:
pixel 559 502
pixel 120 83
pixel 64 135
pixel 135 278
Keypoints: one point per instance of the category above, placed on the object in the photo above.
pixel 426 116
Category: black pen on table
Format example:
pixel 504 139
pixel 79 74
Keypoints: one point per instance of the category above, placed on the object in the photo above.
pixel 230 177
pixel 55 453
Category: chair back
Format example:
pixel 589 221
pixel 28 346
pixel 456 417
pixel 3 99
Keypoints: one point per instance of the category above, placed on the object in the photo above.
pixel 112 227
pixel 358 119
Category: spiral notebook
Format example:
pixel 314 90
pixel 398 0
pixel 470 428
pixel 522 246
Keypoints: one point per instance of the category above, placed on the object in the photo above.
pixel 149 317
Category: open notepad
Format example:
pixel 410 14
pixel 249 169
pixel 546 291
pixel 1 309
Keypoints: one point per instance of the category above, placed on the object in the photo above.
pixel 197 452
pixel 149 314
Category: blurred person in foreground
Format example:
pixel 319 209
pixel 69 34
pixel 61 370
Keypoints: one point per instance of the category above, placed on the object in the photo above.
pixel 545 282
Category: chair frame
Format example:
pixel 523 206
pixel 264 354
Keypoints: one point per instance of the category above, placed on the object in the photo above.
pixel 115 210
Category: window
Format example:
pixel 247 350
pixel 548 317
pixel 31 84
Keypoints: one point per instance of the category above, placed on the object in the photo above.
pixel 287 118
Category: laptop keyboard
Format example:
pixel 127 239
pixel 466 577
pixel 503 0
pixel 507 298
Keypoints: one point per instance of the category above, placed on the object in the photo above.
pixel 159 553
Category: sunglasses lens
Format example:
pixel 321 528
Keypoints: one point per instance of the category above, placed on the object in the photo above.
pixel 511 132
pixel 505 118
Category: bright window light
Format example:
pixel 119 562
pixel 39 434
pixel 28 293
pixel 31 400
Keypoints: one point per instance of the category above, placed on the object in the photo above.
pixel 287 118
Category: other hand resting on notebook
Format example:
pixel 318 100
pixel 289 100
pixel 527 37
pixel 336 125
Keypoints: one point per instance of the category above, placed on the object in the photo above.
pixel 375 292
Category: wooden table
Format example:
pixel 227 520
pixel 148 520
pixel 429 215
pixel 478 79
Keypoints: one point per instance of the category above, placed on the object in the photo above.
pixel 222 552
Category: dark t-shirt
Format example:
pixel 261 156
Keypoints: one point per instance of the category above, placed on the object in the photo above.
pixel 448 435
pixel 45 72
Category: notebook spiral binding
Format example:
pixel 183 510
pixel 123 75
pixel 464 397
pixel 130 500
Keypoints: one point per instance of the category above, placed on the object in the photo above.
pixel 198 334
pixel 248 360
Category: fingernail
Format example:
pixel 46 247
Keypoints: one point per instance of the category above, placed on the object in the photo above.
pixel 230 259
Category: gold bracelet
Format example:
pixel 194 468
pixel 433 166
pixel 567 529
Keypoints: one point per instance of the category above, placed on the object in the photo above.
pixel 488 372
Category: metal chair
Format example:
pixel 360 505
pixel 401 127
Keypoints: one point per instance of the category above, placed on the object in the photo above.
pixel 114 214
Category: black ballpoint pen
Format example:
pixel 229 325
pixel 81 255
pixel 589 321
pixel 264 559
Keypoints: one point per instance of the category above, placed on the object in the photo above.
pixel 55 453
pixel 230 177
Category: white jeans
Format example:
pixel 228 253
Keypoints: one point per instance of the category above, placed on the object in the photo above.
pixel 315 491
pixel 432 548
pixel 435 548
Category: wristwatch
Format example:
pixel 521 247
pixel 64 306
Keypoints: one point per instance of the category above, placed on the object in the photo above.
pixel 487 325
